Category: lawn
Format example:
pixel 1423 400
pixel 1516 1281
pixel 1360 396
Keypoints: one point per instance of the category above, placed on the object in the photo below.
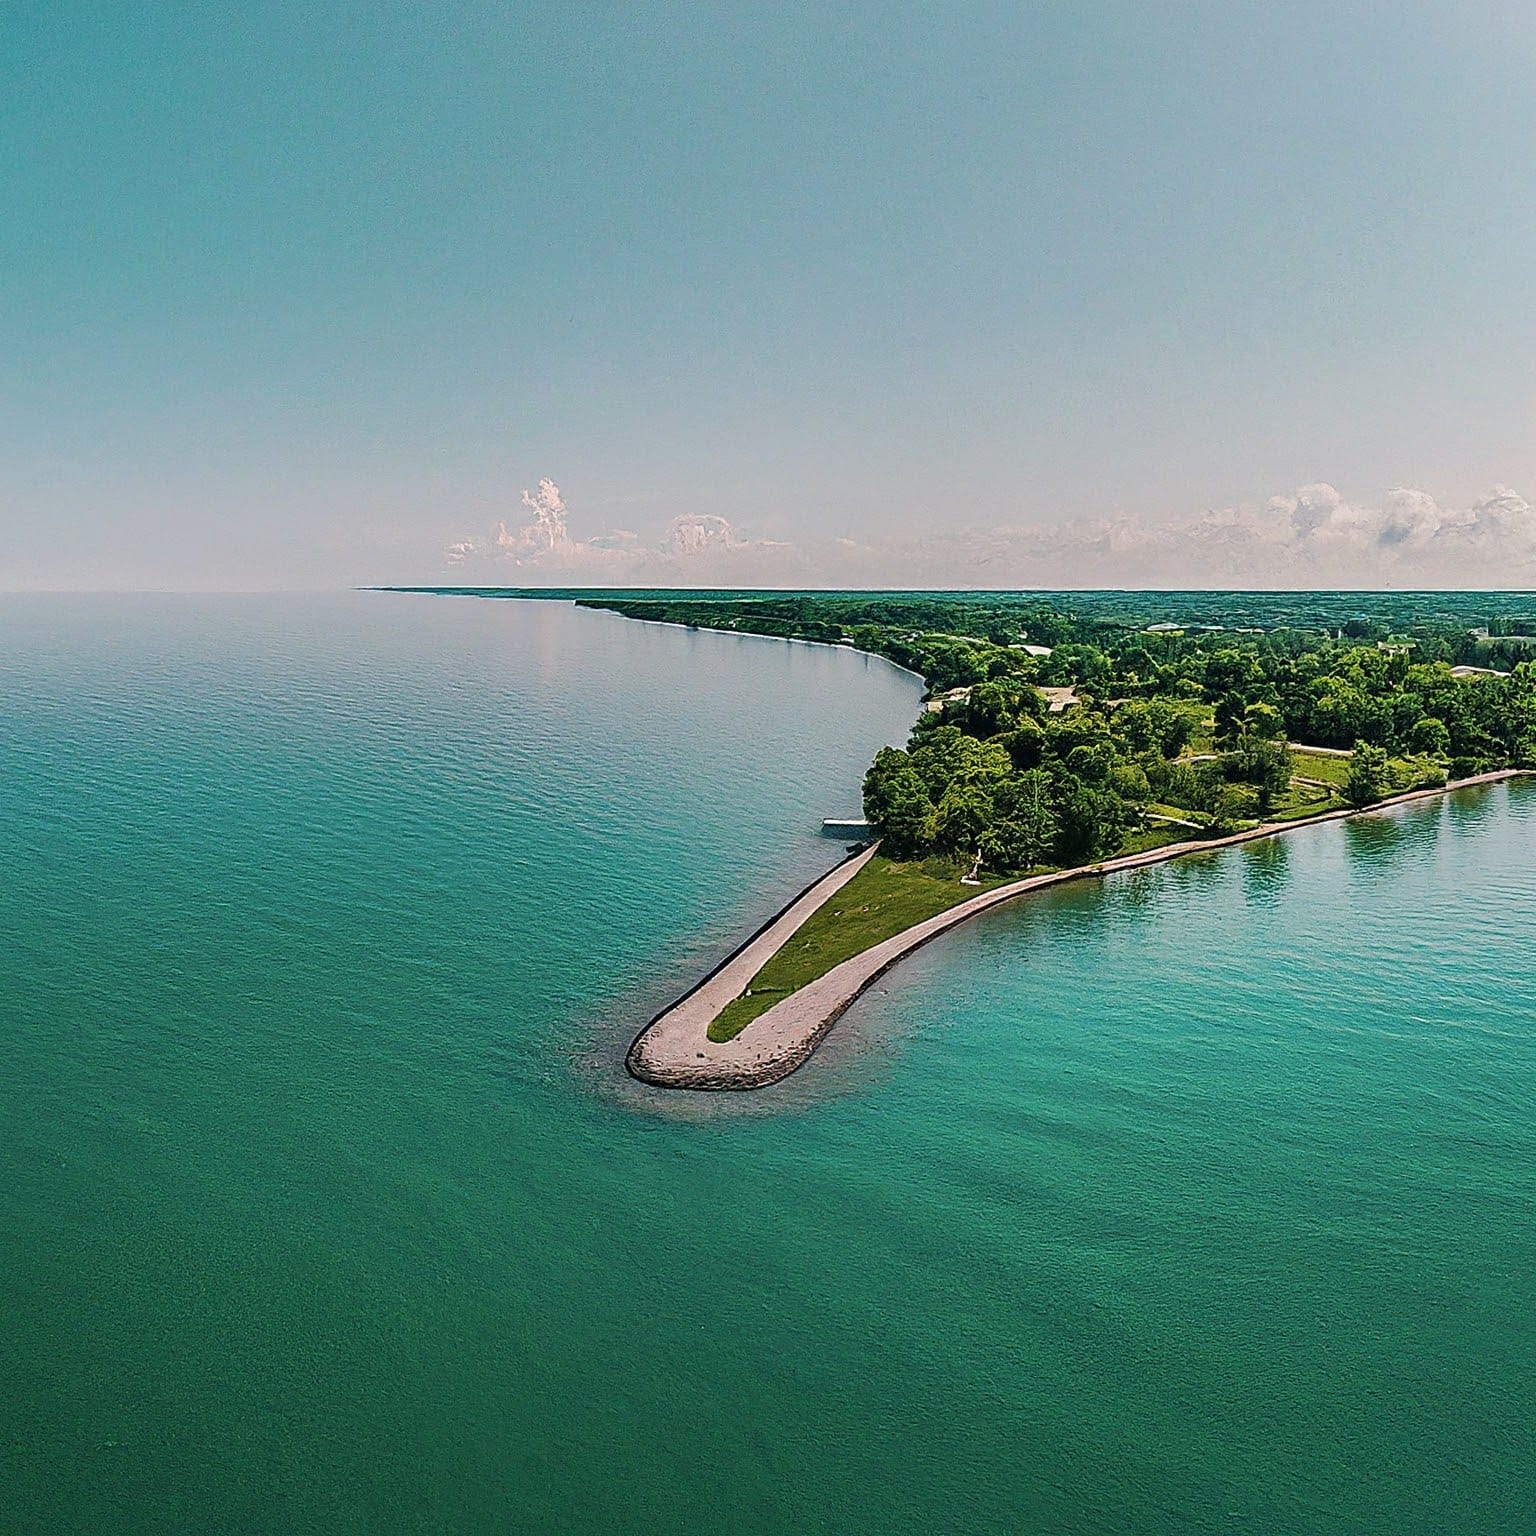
pixel 1402 772
pixel 884 898
pixel 1321 766
pixel 1202 736
pixel 1159 834
pixel 1303 801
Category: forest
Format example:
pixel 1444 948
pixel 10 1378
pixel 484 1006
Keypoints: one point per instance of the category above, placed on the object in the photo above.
pixel 1063 728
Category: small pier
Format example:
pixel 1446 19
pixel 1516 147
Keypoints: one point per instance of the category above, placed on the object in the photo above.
pixel 845 827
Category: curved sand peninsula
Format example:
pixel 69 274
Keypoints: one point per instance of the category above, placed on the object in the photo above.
pixel 674 1050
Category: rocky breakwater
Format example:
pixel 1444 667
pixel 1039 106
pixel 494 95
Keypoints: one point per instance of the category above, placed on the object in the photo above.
pixel 674 1050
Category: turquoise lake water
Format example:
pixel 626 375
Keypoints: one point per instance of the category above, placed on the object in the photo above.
pixel 1202 1201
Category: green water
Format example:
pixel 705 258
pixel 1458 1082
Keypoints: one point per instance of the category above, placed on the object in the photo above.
pixel 1204 1201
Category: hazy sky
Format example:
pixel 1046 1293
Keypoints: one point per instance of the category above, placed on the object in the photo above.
pixel 303 295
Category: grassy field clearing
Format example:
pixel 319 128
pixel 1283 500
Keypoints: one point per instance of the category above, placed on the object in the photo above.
pixel 1322 766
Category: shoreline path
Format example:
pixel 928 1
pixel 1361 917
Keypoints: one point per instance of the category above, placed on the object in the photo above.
pixel 674 1050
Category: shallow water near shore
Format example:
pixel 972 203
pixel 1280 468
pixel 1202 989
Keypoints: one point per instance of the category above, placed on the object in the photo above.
pixel 1202 1200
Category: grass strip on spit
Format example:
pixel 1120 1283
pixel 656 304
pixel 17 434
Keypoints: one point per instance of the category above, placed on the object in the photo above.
pixel 885 898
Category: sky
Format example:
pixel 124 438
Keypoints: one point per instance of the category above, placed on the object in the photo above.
pixel 302 296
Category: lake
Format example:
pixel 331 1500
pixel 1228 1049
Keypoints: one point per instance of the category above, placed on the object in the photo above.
pixel 1204 1200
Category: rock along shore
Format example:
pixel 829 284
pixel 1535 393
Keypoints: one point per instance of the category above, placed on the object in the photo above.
pixel 674 1050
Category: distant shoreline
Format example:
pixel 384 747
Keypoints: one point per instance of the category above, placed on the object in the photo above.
pixel 579 599
pixel 752 634
pixel 674 1050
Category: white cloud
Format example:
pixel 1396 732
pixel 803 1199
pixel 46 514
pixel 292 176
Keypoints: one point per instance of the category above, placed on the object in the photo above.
pixel 1312 537
pixel 695 549
pixel 699 533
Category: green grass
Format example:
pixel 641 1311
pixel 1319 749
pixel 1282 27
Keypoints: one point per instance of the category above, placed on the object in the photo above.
pixel 1421 772
pixel 1303 800
pixel 1160 835
pixel 884 898
pixel 1315 765
pixel 887 897
pixel 1202 736
pixel 1177 812
pixel 1403 772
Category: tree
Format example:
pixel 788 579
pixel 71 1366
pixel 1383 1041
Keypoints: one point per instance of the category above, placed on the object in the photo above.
pixel 1190 785
pixel 1265 765
pixel 1171 727
pixel 949 756
pixel 1430 736
pixel 999 706
pixel 1154 725
pixel 1235 803
pixel 1228 671
pixel 897 804
pixel 1090 822
pixel 1264 722
pixel 1085 664
pixel 963 816
pixel 1367 774
pixel 1025 746
pixel 1229 716
pixel 1338 715
pixel 1092 763
pixel 1025 826
pixel 1129 781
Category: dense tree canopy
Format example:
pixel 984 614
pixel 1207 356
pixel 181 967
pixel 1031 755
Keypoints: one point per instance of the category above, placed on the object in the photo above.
pixel 1155 730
